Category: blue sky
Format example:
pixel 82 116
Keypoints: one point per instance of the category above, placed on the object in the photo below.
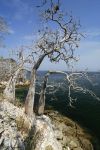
pixel 23 20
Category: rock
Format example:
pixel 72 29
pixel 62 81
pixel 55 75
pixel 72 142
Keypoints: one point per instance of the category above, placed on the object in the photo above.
pixel 1 120
pixel 69 134
pixel 65 140
pixel 61 126
pixel 44 135
pixel 10 136
pixel 1 140
pixel 67 148
pixel 73 144
pixel 78 148
pixel 86 144
pixel 49 147
pixel 58 135
pixel 15 127
pixel 1 131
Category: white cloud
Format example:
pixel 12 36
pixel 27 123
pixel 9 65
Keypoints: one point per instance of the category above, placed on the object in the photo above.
pixel 32 37
pixel 28 37
pixel 11 31
pixel 92 33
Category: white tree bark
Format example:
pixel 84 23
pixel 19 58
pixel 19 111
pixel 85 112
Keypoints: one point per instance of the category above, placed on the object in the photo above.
pixel 41 103
pixel 29 103
pixel 44 136
pixel 9 91
pixel 30 96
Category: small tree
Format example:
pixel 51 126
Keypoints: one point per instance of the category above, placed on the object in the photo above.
pixel 9 91
pixel 70 80
pixel 57 43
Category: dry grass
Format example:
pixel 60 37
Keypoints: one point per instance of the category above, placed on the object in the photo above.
pixel 18 103
pixel 22 125
pixel 49 147
pixel 1 97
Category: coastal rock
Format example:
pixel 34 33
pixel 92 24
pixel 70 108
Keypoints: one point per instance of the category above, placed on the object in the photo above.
pixel 73 137
pixel 16 127
pixel 44 135
pixel 10 136
pixel 52 131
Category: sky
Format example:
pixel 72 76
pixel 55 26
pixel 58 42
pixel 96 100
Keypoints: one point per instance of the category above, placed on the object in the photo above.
pixel 23 19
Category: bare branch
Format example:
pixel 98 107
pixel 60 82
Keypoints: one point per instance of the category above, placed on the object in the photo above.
pixel 72 85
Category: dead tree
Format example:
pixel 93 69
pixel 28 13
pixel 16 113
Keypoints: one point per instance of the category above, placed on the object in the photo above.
pixel 70 80
pixel 41 103
pixel 56 44
pixel 9 91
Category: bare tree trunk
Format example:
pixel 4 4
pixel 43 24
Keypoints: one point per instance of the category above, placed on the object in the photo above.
pixel 41 103
pixel 71 84
pixel 29 103
pixel 30 96
pixel 9 91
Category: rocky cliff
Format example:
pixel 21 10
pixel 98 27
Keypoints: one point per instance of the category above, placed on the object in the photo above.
pixel 51 131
